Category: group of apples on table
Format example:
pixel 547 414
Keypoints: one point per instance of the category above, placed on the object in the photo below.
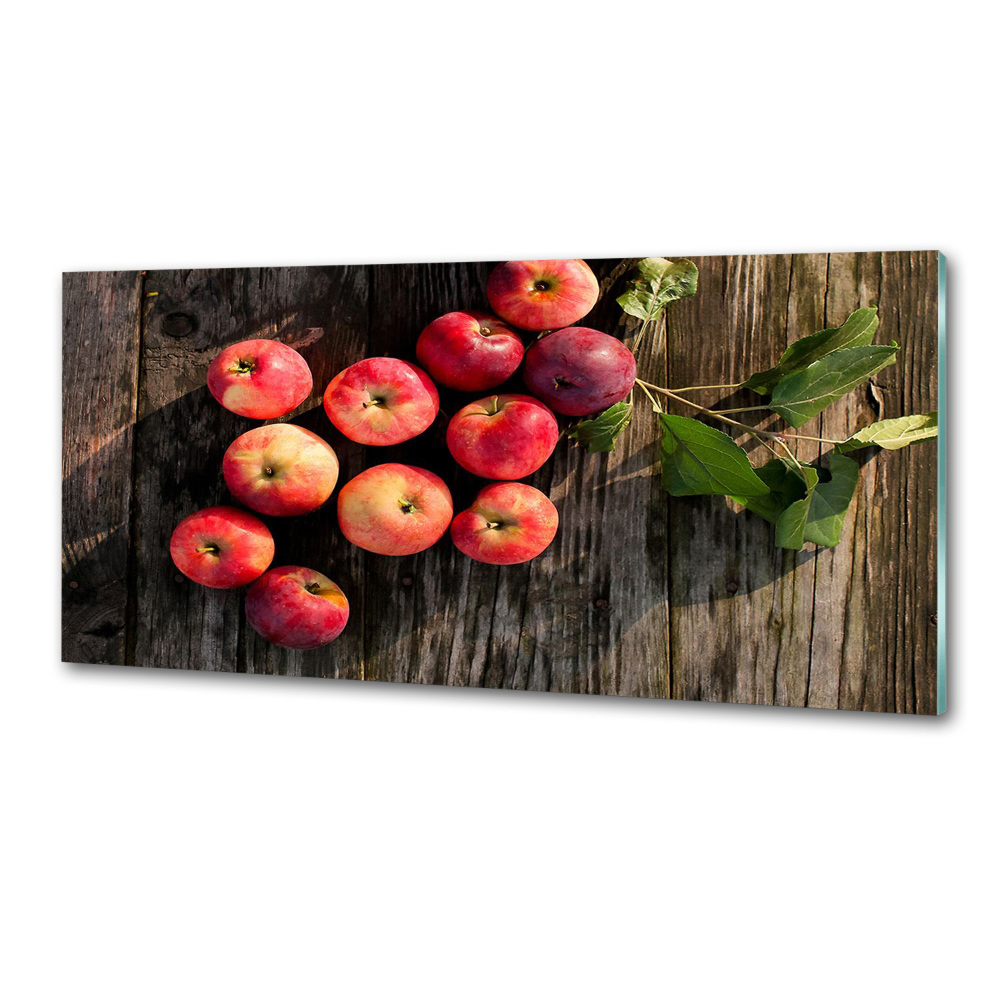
pixel 393 509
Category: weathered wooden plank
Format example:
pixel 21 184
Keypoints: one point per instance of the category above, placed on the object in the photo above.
pixel 100 371
pixel 825 627
pixel 737 603
pixel 183 432
pixel 902 503
pixel 843 609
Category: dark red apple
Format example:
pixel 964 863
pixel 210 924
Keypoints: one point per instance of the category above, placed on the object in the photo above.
pixel 579 371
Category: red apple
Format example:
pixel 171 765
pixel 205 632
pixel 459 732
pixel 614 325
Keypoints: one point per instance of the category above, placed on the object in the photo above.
pixel 381 401
pixel 507 523
pixel 297 608
pixel 394 510
pixel 221 547
pixel 280 469
pixel 259 379
pixel 503 437
pixel 579 371
pixel 542 294
pixel 470 351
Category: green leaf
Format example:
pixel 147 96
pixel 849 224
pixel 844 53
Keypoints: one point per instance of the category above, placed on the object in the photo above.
pixel 857 331
pixel 802 394
pixel 656 282
pixel 801 508
pixel 698 459
pixel 600 433
pixel 789 529
pixel 830 501
pixel 893 434
pixel 786 485
pixel 787 504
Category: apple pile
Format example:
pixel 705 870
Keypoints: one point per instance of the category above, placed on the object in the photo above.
pixel 281 470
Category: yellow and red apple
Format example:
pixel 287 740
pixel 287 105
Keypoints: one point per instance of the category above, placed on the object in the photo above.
pixel 221 547
pixel 394 509
pixel 297 608
pixel 381 401
pixel 507 523
pixel 259 379
pixel 469 351
pixel 579 371
pixel 280 469
pixel 503 437
pixel 542 294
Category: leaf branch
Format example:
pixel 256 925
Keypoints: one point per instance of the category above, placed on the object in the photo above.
pixel 693 388
pixel 719 415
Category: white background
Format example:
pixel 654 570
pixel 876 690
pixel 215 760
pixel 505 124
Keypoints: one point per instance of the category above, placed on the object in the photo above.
pixel 182 835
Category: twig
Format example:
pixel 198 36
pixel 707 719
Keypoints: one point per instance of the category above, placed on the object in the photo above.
pixel 646 387
pixel 692 388
pixel 719 415
pixel 788 452
pixel 642 385
pixel 761 441
pixel 806 437
pixel 640 335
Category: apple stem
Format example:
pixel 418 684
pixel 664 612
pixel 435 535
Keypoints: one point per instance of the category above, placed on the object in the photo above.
pixel 208 548
pixel 313 588
pixel 492 524
pixel 406 507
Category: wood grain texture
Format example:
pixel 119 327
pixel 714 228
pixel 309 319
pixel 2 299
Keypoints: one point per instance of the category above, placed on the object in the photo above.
pixel 851 626
pixel 183 432
pixel 640 594
pixel 100 371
